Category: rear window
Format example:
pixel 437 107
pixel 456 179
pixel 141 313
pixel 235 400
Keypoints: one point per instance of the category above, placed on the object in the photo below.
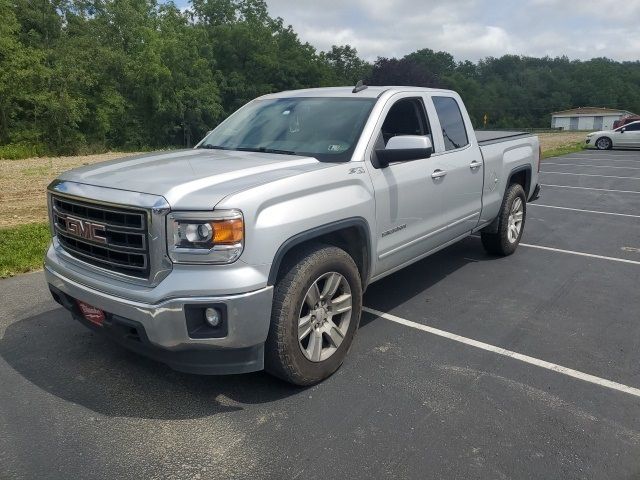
pixel 453 129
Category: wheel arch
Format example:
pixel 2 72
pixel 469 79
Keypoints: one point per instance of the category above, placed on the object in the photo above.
pixel 521 175
pixel 351 234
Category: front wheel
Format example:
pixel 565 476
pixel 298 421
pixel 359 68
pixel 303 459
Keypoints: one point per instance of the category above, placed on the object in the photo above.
pixel 510 223
pixel 316 311
pixel 604 143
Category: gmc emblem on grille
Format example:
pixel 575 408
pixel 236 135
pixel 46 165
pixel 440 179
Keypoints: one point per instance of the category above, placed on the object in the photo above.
pixel 85 229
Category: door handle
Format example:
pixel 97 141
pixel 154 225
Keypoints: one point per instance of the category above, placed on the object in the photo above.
pixel 475 164
pixel 438 173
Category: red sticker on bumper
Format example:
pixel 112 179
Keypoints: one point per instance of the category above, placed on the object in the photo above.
pixel 93 314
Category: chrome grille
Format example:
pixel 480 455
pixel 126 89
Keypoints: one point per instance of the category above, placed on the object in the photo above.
pixel 108 237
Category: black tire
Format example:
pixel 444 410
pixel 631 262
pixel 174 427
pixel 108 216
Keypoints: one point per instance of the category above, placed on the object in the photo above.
pixel 283 353
pixel 499 243
pixel 604 143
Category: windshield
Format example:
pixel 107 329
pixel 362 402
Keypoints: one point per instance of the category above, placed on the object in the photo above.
pixel 325 128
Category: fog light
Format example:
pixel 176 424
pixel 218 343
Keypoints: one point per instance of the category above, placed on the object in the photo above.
pixel 212 316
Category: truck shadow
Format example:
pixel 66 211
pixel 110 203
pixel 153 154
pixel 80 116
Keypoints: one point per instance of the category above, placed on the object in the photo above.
pixel 64 358
pixel 415 279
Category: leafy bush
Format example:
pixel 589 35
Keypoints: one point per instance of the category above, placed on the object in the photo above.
pixel 17 151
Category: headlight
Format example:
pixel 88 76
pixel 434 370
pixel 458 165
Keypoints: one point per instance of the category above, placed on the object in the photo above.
pixel 205 237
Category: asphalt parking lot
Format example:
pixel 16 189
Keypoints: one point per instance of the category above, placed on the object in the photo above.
pixel 480 367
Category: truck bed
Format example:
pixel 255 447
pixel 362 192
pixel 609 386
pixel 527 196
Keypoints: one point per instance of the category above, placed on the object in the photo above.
pixel 487 137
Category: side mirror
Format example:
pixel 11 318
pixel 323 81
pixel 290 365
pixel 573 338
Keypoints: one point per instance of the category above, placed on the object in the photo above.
pixel 404 148
pixel 622 130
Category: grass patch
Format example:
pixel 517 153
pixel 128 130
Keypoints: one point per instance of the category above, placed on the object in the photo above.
pixel 22 248
pixel 563 150
pixel 16 151
pixel 37 171
pixel 20 151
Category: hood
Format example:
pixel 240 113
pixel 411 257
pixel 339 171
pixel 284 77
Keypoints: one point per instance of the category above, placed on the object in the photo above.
pixel 601 132
pixel 193 179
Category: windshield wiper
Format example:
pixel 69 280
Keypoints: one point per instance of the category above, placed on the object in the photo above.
pixel 248 149
pixel 214 147
pixel 265 150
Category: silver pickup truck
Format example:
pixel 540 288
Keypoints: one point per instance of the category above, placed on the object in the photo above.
pixel 253 249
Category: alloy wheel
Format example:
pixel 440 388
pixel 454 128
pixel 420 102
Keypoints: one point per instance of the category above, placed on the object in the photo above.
pixel 325 316
pixel 515 220
pixel 603 144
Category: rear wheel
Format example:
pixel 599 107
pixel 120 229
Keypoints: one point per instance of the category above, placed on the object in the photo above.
pixel 316 312
pixel 510 223
pixel 604 143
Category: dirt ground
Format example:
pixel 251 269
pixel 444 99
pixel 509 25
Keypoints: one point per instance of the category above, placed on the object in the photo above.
pixel 23 182
pixel 551 141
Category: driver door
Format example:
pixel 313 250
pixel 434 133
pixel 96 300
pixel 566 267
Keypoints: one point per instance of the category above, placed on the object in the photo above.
pixel 631 136
pixel 409 219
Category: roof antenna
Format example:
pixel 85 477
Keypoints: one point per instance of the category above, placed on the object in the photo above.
pixel 359 87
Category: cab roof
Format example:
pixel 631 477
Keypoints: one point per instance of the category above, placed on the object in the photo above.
pixel 369 92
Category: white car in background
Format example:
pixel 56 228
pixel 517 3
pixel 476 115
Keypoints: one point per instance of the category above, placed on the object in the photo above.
pixel 627 136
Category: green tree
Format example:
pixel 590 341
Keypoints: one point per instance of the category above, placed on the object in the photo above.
pixel 97 74
pixel 347 67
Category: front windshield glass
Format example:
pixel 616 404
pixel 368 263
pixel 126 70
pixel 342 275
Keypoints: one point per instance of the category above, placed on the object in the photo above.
pixel 325 128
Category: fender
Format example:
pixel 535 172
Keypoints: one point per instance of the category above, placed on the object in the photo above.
pixel 358 222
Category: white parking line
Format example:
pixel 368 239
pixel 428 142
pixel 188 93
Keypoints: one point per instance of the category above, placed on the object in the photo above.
pixel 603 382
pixel 590 175
pixel 596 159
pixel 581 254
pixel 588 188
pixel 573 252
pixel 591 166
pixel 603 154
pixel 581 210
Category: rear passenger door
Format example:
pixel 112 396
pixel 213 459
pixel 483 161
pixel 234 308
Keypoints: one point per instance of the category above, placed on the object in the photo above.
pixel 459 156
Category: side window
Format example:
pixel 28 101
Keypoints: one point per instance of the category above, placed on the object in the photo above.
pixel 453 129
pixel 406 117
pixel 633 127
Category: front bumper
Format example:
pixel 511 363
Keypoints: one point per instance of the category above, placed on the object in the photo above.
pixel 161 330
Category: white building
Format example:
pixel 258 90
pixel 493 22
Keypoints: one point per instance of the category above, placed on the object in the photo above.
pixel 587 118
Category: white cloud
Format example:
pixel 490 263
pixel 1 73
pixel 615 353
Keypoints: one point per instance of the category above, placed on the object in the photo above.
pixel 469 29
pixel 472 40
pixel 624 11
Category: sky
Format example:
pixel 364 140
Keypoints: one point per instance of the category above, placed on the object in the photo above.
pixel 468 29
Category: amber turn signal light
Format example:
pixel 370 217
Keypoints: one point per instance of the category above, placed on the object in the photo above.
pixel 228 231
